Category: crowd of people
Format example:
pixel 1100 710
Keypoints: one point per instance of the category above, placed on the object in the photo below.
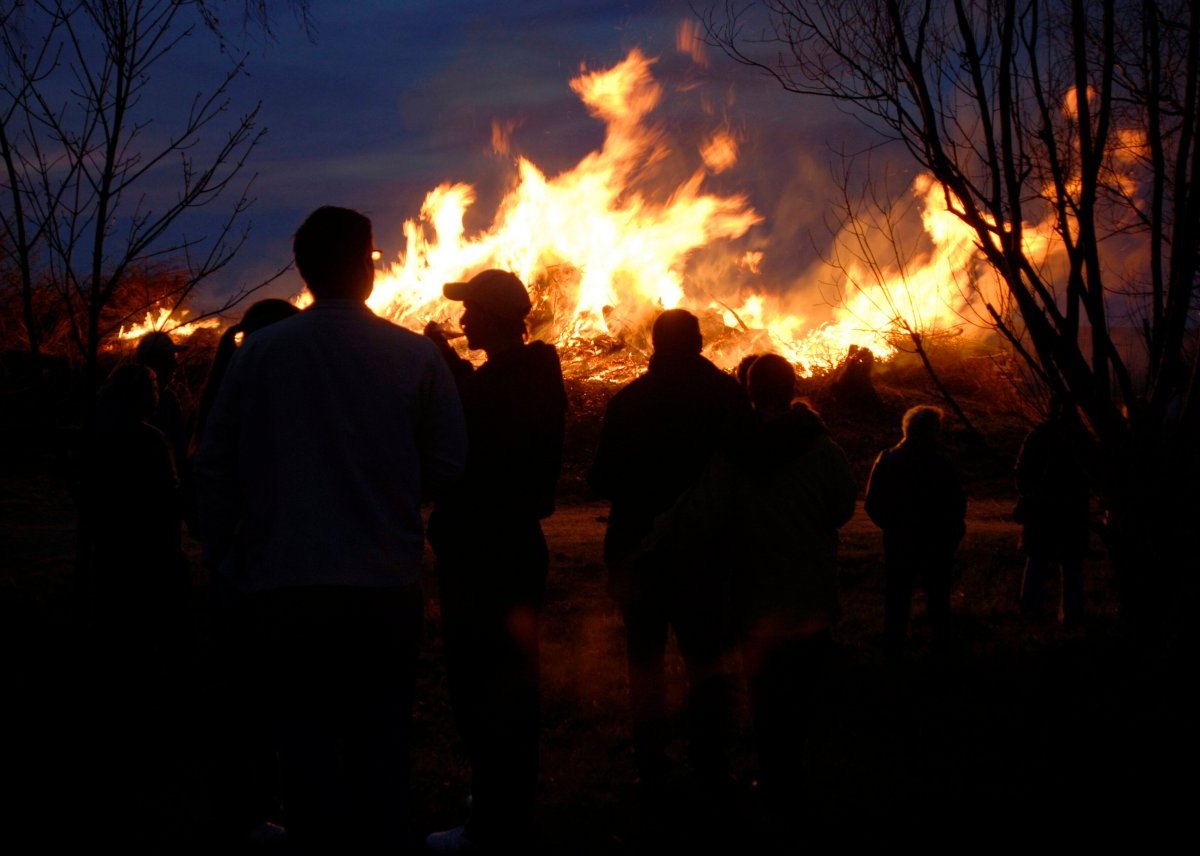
pixel 322 433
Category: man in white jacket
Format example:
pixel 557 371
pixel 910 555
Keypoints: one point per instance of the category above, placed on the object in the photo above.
pixel 329 429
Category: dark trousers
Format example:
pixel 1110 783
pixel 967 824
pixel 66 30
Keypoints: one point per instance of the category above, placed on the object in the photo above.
pixel 491 587
pixel 340 670
pixel 1066 574
pixel 933 570
pixel 698 618
pixel 245 784
pixel 784 680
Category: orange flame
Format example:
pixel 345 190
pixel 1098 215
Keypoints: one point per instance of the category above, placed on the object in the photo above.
pixel 158 321
pixel 608 253
pixel 602 256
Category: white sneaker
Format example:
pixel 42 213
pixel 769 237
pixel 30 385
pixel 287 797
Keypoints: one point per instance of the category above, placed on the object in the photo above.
pixel 453 840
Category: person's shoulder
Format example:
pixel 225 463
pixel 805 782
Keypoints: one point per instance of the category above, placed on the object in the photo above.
pixel 542 354
pixel 719 381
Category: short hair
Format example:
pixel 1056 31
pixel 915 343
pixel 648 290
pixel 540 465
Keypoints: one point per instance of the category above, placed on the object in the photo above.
pixel 264 313
pixel 328 245
pixel 922 423
pixel 676 331
pixel 771 382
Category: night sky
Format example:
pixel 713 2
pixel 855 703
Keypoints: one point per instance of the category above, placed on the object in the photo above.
pixel 385 100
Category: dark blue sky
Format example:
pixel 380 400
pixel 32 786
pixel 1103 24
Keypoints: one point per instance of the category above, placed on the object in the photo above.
pixel 389 99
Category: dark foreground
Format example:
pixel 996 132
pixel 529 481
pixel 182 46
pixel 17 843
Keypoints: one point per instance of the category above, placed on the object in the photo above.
pixel 1027 736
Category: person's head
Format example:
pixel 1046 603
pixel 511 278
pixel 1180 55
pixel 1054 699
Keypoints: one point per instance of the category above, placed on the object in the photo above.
pixel 495 304
pixel 676 333
pixel 335 254
pixel 156 350
pixel 264 313
pixel 922 424
pixel 771 383
pixel 134 391
pixel 742 372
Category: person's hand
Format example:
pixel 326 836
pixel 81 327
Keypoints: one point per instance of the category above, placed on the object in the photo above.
pixel 433 331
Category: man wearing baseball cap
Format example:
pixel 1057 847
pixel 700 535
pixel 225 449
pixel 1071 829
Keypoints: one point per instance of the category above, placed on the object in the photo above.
pixel 492 557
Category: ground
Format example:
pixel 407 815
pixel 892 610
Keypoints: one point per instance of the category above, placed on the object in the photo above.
pixel 1027 736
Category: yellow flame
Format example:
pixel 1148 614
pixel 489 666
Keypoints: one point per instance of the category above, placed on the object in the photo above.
pixel 626 252
pixel 602 255
pixel 158 321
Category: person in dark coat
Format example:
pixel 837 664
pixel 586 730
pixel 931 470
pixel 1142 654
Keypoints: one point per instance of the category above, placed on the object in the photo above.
pixel 491 554
pixel 158 352
pixel 769 509
pixel 141 573
pixel 914 495
pixel 1053 510
pixel 245 782
pixel 659 435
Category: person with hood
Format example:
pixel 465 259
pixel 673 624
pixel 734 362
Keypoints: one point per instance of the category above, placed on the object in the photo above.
pixel 491 554
pixel 914 495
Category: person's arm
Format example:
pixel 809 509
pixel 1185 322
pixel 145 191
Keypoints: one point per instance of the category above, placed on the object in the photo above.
pixel 218 504
pixel 442 430
pixel 461 370
pixel 842 490
pixel 878 500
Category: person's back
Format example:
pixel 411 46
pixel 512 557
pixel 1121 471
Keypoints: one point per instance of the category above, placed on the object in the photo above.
pixel 139 565
pixel 915 496
pixel 334 438
pixel 659 434
pixel 514 405
pixel 796 491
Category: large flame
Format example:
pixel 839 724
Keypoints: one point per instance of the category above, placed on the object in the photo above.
pixel 603 250
pixel 602 257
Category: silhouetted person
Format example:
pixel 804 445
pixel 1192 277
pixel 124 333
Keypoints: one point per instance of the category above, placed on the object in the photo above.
pixel 158 352
pixel 326 433
pixel 141 610
pixel 853 386
pixel 245 787
pixel 742 371
pixel 800 492
pixel 492 559
pixel 769 509
pixel 914 495
pixel 659 435
pixel 1053 511
pixel 261 314
pixel 140 571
